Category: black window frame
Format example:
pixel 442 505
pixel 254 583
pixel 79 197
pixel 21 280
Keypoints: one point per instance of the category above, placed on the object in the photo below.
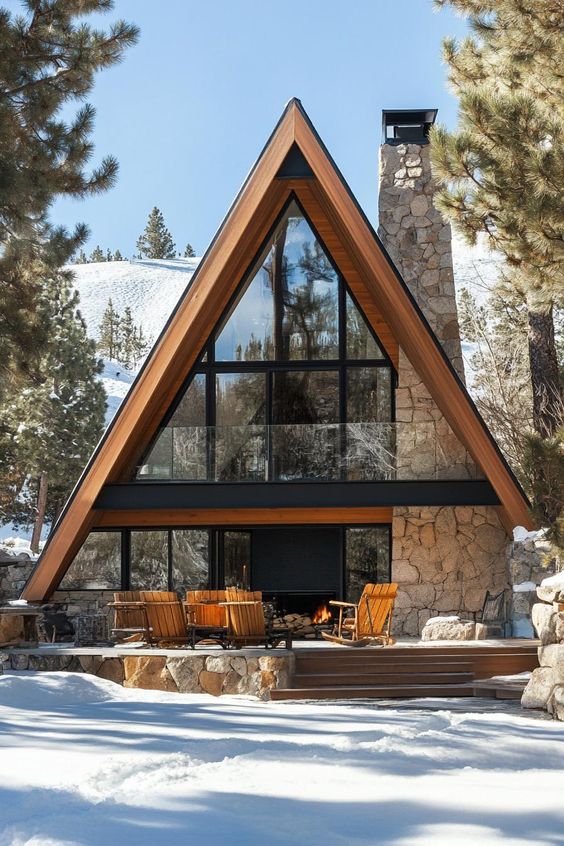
pixel 210 367
pixel 215 549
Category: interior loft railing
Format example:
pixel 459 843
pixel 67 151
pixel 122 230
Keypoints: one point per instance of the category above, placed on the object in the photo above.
pixel 316 452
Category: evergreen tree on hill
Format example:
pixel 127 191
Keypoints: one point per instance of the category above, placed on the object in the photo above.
pixel 81 258
pixel 109 256
pixel 118 256
pixel 49 56
pixel 156 241
pixel 109 339
pixel 97 255
pixel 56 422
pixel 189 251
pixel 502 171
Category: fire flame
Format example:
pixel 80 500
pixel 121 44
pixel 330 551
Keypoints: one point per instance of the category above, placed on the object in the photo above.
pixel 322 614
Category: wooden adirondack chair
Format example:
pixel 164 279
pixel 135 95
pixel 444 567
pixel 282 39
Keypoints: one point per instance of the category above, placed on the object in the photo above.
pixel 130 623
pixel 372 618
pixel 165 617
pixel 247 626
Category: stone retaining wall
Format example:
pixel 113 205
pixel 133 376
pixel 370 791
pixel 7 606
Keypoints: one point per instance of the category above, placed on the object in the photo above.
pixel 546 687
pixel 15 570
pixel 253 673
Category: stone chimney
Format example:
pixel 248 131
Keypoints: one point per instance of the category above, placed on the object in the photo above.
pixel 412 230
pixel 443 557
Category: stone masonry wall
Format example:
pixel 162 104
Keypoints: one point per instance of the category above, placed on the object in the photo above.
pixel 445 559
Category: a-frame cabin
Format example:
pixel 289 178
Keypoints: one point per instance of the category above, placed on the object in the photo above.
pixel 266 440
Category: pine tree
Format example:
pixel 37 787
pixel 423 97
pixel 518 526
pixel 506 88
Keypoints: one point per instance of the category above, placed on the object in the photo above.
pixel 189 251
pixel 109 256
pixel 109 341
pixel 97 255
pixel 48 58
pixel 127 339
pixel 502 171
pixel 118 256
pixel 81 258
pixel 156 241
pixel 141 346
pixel 58 419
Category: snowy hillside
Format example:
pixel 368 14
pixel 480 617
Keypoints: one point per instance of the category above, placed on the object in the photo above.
pixel 150 287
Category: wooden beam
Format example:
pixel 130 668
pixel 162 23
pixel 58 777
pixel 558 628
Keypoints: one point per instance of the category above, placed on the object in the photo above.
pixel 243 517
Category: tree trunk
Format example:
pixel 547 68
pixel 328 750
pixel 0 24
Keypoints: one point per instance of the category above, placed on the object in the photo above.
pixel 40 516
pixel 547 393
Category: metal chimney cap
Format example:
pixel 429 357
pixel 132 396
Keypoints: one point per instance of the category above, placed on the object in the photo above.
pixel 407 125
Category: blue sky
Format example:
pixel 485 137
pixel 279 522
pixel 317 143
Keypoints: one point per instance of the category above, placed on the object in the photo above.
pixel 191 106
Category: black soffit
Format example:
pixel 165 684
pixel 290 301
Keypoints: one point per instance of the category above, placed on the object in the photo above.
pixel 203 495
pixel 295 165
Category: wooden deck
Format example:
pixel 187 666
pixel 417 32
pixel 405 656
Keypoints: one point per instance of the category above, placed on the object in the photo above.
pixel 410 670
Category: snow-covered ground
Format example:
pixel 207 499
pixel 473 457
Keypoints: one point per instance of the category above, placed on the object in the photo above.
pixel 84 761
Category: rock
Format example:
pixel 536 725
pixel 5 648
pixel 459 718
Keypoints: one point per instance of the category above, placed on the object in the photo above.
pixel 556 702
pixel 273 662
pixel 91 663
pixel 239 664
pixel 212 683
pixel 19 662
pixel 231 683
pixel 448 628
pixel 550 593
pixel 539 689
pixel 544 621
pixel 419 206
pixel 148 673
pixel 11 628
pixel 186 672
pixel 218 664
pixel 112 669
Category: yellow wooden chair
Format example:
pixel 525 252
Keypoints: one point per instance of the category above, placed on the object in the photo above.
pixel 372 619
pixel 166 617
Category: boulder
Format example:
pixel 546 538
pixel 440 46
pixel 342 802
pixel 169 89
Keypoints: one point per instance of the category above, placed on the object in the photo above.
pixel 556 702
pixel 544 621
pixel 148 673
pixel 186 672
pixel 448 628
pixel 552 588
pixel 539 689
pixel 552 655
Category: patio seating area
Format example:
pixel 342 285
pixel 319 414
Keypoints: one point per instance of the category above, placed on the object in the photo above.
pixel 233 617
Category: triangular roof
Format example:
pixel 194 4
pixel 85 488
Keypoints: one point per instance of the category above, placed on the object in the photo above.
pixel 292 153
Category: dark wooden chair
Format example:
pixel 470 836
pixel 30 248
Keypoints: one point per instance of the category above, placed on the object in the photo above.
pixel 130 617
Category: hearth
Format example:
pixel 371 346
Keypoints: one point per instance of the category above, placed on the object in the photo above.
pixel 307 614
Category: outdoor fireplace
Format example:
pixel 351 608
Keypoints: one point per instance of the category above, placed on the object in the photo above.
pixel 306 614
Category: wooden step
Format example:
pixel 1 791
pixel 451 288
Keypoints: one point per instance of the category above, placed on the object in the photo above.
pixel 406 691
pixel 318 680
